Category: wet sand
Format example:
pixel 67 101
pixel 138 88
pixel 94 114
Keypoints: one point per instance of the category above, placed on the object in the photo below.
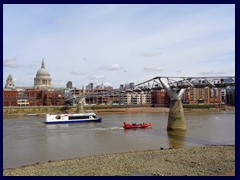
pixel 187 161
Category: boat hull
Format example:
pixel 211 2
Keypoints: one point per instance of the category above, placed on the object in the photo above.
pixel 73 121
pixel 31 114
pixel 137 126
pixel 126 127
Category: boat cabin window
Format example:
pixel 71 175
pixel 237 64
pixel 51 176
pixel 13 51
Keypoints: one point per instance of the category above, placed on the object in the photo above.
pixel 92 117
pixel 82 117
pixel 78 117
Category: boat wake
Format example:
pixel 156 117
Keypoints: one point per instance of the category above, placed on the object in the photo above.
pixel 41 123
pixel 108 128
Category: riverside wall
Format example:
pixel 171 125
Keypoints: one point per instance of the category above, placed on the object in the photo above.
pixel 22 110
pixel 64 109
pixel 36 109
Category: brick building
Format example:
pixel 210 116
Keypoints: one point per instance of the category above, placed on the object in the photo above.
pixel 33 97
pixel 10 98
pixel 160 98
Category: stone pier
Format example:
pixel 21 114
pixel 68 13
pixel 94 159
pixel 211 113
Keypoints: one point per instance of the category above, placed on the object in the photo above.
pixel 79 108
pixel 176 119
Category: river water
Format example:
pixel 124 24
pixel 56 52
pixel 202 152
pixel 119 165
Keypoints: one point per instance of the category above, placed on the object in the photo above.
pixel 27 140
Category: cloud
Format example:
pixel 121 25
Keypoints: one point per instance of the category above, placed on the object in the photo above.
pixel 10 63
pixel 147 55
pixel 60 21
pixel 153 68
pixel 96 77
pixel 113 67
pixel 31 73
pixel 207 73
pixel 59 83
pixel 105 84
pixel 122 37
pixel 23 82
pixel 29 66
pixel 85 59
pixel 77 72
pixel 180 71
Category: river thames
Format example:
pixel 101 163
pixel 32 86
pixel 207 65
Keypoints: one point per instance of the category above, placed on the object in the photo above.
pixel 27 140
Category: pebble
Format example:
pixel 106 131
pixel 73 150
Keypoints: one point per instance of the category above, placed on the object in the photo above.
pixel 190 161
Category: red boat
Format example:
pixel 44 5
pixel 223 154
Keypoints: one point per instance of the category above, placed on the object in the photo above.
pixel 135 125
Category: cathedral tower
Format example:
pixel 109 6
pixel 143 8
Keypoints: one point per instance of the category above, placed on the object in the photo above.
pixel 9 83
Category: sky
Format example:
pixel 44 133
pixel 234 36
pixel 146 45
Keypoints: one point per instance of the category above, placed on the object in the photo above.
pixel 115 44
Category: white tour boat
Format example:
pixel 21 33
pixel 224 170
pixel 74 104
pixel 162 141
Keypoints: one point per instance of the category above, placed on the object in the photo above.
pixel 71 118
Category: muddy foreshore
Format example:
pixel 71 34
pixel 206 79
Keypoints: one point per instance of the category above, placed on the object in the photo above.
pixel 187 161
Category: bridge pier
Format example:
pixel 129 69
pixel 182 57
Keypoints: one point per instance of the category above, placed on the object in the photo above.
pixel 176 139
pixel 176 119
pixel 79 108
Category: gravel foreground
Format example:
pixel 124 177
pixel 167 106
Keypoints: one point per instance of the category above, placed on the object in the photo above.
pixel 188 161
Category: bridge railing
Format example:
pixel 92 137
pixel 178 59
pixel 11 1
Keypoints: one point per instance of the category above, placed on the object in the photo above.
pixel 155 84
pixel 186 82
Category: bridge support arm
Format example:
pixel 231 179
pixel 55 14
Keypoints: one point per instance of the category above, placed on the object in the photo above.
pixel 173 94
pixel 176 119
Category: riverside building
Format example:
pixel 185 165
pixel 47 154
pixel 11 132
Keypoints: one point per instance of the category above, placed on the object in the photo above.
pixel 41 94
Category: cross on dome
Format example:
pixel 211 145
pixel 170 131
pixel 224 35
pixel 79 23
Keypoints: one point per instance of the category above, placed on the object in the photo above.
pixel 43 66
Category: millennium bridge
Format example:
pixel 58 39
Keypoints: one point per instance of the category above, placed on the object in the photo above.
pixel 175 88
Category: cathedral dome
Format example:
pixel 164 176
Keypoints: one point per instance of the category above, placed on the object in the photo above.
pixel 42 78
pixel 43 73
